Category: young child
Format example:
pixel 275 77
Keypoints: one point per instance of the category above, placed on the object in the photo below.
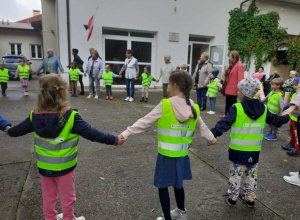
pixel 108 77
pixel 246 121
pixel 57 128
pixel 293 147
pixel 23 72
pixel 260 94
pixel 4 77
pixel 183 67
pixel 177 119
pixel 74 78
pixel 146 79
pixel 213 89
pixel 275 105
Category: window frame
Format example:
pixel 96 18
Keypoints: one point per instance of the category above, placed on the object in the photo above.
pixel 16 48
pixel 36 51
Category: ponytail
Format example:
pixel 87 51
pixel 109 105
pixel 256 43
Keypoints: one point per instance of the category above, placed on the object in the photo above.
pixel 188 102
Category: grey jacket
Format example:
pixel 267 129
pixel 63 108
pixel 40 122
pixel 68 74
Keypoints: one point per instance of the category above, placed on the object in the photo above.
pixel 97 70
pixel 204 74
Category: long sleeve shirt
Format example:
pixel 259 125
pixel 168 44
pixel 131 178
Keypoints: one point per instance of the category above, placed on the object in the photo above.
pixel 54 65
pixel 165 72
pixel 131 68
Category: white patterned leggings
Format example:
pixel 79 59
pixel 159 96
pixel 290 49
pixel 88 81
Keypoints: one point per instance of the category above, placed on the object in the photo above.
pixel 236 173
pixel 145 91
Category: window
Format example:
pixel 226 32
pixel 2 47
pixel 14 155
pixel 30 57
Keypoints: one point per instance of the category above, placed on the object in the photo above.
pixel 15 49
pixel 36 51
pixel 115 49
pixel 142 51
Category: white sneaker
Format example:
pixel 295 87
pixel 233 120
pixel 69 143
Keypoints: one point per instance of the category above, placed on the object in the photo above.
pixel 90 96
pixel 127 98
pixel 208 112
pixel 212 113
pixel 96 97
pixel 80 218
pixel 160 218
pixel 179 214
pixel 59 216
pixel 292 180
pixel 293 173
pixel 131 99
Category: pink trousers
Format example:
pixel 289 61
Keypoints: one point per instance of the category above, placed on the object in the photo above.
pixel 66 186
pixel 24 83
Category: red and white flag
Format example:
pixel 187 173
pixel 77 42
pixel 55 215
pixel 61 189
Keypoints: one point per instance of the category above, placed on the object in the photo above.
pixel 91 25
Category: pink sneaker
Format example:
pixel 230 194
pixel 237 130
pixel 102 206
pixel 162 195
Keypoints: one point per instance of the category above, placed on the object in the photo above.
pixel 111 98
pixel 106 97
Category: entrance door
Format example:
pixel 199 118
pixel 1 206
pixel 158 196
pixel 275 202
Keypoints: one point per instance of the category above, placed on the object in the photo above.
pixel 217 57
pixel 194 52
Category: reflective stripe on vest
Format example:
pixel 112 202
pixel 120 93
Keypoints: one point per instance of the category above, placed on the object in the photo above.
pixel 4 77
pixel 293 116
pixel 23 72
pixel 213 88
pixel 146 80
pixel 74 76
pixel 273 103
pixel 59 153
pixel 108 78
pixel 247 134
pixel 174 138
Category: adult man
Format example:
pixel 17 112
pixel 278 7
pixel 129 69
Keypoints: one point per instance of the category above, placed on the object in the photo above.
pixel 201 78
pixel 51 63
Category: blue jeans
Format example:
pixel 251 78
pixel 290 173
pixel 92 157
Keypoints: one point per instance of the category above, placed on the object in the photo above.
pixel 212 102
pixel 130 82
pixel 92 81
pixel 201 97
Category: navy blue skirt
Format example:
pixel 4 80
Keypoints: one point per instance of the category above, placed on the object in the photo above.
pixel 171 171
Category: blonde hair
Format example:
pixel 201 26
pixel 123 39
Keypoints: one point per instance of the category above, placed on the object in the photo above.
pixel 53 94
pixel 277 81
pixel 95 52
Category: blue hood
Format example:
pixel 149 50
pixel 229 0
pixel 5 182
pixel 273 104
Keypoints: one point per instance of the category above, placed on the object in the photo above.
pixel 253 108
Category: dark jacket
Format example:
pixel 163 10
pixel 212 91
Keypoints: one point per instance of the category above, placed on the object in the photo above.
pixel 47 126
pixel 4 123
pixel 254 109
pixel 78 61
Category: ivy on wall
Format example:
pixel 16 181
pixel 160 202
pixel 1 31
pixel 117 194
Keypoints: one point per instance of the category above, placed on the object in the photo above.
pixel 249 33
pixel 293 53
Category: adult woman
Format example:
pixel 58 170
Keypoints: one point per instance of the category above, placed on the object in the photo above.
pixel 235 75
pixel 288 87
pixel 201 78
pixel 131 69
pixel 51 63
pixel 94 69
pixel 165 72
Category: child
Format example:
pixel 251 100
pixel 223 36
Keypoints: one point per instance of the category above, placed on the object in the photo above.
pixel 177 119
pixel 4 124
pixel 57 128
pixel 74 78
pixel 183 67
pixel 108 77
pixel 212 92
pixel 4 77
pixel 260 94
pixel 246 121
pixel 23 72
pixel 275 105
pixel 146 79
pixel 292 147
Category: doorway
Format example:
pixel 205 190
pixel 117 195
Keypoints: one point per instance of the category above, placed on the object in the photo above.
pixel 194 52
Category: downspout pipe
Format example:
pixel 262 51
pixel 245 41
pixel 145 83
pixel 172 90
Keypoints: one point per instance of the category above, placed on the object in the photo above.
pixel 241 5
pixel 68 30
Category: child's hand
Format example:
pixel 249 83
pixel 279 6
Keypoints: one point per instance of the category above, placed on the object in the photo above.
pixel 6 130
pixel 289 110
pixel 121 140
pixel 135 78
pixel 120 76
pixel 157 81
pixel 84 75
pixel 209 144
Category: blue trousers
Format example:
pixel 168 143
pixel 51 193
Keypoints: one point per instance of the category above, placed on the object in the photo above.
pixel 212 102
pixel 201 97
pixel 130 82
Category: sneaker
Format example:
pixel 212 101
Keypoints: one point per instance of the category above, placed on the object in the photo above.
pixel 249 203
pixel 266 135
pixel 146 99
pixel 293 152
pixel 81 93
pixel 131 99
pixel 80 218
pixel 76 95
pixel 293 173
pixel 142 99
pixel 127 98
pixel 72 95
pixel 231 202
pixel 178 214
pixel 96 97
pixel 211 112
pixel 272 137
pixel 4 94
pixel 90 96
pixel 292 180
pixel 111 98
pixel 26 93
pixel 59 216
pixel 106 98
pixel 208 112
pixel 160 218
pixel 287 146
pixel 202 109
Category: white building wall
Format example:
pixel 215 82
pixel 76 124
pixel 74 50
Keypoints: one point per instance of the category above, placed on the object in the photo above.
pixel 26 38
